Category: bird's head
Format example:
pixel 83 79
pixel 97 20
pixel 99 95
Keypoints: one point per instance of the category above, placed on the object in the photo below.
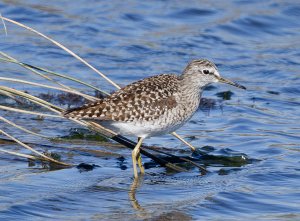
pixel 203 72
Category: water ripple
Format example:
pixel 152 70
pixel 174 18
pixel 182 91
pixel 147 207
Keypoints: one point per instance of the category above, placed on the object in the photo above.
pixel 251 137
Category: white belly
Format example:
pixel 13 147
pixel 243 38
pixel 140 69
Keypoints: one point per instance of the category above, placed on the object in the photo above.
pixel 140 130
pixel 145 128
pixel 167 123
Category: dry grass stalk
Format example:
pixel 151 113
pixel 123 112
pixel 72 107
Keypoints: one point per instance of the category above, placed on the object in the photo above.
pixel 33 99
pixel 88 97
pixel 19 154
pixel 63 47
pixel 22 128
pixel 29 112
pixel 10 59
pixel 43 156
pixel 4 26
pixel 36 70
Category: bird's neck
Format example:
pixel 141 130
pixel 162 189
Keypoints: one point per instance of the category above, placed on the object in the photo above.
pixel 190 90
pixel 191 85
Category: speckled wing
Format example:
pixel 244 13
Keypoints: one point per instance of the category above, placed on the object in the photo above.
pixel 144 100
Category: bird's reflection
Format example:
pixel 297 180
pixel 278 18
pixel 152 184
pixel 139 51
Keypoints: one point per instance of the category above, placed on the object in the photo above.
pixel 137 182
pixel 148 215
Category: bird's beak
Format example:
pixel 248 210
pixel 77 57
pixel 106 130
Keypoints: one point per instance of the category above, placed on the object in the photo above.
pixel 224 80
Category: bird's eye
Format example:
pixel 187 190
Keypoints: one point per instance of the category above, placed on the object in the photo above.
pixel 206 71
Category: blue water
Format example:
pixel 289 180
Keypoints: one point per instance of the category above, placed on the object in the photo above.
pixel 256 43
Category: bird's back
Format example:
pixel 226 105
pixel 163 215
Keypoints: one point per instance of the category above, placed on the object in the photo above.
pixel 144 100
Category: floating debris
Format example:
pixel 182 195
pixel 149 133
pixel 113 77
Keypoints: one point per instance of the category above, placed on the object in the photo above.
pixel 84 134
pixel 84 167
pixel 225 95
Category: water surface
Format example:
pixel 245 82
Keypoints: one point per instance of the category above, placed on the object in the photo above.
pixel 255 43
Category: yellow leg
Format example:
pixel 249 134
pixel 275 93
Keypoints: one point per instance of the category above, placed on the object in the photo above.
pixel 134 155
pixel 139 161
pixel 183 141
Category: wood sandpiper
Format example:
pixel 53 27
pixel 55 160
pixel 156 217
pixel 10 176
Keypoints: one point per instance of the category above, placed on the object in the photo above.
pixel 153 106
